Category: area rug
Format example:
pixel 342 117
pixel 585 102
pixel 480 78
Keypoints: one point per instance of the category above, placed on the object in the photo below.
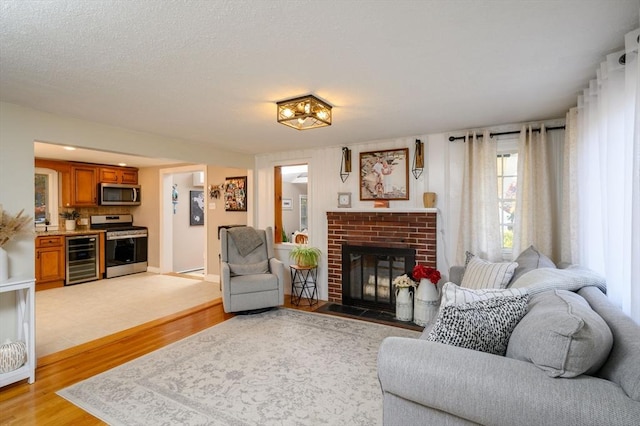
pixel 282 367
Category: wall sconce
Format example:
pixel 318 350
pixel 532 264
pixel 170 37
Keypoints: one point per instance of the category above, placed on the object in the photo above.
pixel 418 159
pixel 345 164
pixel 306 112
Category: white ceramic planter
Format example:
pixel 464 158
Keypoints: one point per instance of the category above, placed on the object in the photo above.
pixel 404 304
pixel 426 303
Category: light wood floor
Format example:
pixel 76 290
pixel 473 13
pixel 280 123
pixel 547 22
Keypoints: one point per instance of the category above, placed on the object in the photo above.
pixel 37 404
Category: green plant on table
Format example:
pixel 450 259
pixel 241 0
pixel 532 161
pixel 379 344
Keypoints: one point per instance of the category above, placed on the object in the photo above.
pixel 305 256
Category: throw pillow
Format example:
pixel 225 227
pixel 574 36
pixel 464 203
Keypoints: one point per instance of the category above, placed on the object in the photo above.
pixel 561 335
pixel 453 294
pixel 481 273
pixel 249 268
pixel 483 325
pixel 530 259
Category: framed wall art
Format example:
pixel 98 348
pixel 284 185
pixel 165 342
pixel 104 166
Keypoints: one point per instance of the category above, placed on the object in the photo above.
pixel 287 204
pixel 196 208
pixel 235 194
pixel 384 175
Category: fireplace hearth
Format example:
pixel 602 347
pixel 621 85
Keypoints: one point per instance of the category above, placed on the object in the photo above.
pixel 368 273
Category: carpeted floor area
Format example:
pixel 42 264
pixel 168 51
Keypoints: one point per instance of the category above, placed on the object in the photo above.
pixel 72 315
pixel 281 367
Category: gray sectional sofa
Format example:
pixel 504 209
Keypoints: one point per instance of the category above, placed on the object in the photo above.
pixel 549 376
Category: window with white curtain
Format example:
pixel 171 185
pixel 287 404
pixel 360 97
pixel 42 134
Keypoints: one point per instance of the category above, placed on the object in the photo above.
pixel 507 172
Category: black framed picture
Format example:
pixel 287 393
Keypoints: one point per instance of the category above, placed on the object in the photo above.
pixel 196 208
pixel 235 194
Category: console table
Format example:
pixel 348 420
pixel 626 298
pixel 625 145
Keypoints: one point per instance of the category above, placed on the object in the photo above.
pixel 24 290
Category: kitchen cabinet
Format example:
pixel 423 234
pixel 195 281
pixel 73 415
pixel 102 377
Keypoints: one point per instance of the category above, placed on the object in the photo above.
pixel 25 327
pixel 50 266
pixel 126 175
pixel 84 181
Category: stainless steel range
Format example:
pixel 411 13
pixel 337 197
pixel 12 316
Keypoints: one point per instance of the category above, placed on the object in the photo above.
pixel 126 245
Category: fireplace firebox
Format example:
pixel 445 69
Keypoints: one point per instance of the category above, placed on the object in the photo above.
pixel 368 273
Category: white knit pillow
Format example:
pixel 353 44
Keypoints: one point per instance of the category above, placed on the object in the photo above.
pixel 453 294
pixel 481 274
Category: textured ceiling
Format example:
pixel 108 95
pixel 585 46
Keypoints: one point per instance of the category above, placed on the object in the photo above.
pixel 211 71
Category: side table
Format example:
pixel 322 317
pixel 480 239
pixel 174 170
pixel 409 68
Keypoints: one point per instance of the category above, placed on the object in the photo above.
pixel 303 284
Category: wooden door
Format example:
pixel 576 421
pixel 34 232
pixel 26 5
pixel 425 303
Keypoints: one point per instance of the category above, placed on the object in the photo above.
pixel 277 183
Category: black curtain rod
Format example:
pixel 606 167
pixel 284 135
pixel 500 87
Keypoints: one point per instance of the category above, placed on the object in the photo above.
pixel 453 138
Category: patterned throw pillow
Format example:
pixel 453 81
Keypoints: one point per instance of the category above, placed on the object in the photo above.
pixel 481 273
pixel 483 325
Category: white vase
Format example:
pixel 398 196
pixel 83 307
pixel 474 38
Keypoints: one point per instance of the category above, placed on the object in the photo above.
pixel 425 303
pixel 70 224
pixel 4 265
pixel 404 304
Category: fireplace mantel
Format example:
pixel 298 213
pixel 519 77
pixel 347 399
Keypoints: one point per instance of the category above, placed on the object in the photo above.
pixel 412 228
pixel 383 210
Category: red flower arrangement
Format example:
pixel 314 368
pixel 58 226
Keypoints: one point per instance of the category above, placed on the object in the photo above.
pixel 426 272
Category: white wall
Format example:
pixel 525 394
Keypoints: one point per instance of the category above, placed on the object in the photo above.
pixel 188 241
pixel 291 218
pixel 442 175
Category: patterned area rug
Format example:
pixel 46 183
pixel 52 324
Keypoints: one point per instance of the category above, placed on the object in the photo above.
pixel 281 367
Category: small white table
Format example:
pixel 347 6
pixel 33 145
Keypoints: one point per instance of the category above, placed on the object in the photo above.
pixel 24 289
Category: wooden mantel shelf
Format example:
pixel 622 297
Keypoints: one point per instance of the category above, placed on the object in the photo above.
pixel 383 210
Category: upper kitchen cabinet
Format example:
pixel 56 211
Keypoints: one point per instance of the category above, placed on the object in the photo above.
pixel 84 185
pixel 127 175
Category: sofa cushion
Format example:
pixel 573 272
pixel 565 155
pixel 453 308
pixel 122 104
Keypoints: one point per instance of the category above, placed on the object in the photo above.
pixel 481 273
pixel 622 364
pixel 561 335
pixel 453 294
pixel 249 268
pixel 482 325
pixel 530 259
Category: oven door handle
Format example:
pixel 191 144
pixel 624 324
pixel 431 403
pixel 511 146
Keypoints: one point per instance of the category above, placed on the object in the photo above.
pixel 126 237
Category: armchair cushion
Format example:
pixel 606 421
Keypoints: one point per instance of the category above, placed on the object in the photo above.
pixel 249 268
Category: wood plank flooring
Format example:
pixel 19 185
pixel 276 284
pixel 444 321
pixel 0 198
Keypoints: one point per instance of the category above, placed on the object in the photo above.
pixel 37 404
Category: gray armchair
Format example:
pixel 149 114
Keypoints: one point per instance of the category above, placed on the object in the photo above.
pixel 251 277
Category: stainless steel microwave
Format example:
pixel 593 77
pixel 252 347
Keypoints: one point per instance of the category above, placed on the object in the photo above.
pixel 113 194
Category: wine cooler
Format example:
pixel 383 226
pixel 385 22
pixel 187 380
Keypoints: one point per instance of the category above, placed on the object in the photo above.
pixel 82 259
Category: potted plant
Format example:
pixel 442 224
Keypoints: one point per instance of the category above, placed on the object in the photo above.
pixel 70 219
pixel 305 256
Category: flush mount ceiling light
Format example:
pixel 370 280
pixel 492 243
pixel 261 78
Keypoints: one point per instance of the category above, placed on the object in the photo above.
pixel 305 112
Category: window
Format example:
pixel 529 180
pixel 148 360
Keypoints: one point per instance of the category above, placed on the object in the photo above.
pixel 507 194
pixel 46 197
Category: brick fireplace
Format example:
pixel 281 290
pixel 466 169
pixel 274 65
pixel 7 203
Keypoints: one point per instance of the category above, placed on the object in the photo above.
pixel 415 229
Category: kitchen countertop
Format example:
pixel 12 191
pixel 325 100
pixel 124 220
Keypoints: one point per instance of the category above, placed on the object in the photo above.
pixel 64 232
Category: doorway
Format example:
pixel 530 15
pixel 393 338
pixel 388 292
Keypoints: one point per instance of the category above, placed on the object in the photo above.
pixel 290 192
pixel 183 230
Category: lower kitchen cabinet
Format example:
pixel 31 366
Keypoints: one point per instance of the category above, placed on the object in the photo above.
pixel 50 262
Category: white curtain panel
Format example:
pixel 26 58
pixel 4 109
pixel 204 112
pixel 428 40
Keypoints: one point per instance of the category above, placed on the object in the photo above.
pixel 535 215
pixel 479 230
pixel 607 184
pixel 569 203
